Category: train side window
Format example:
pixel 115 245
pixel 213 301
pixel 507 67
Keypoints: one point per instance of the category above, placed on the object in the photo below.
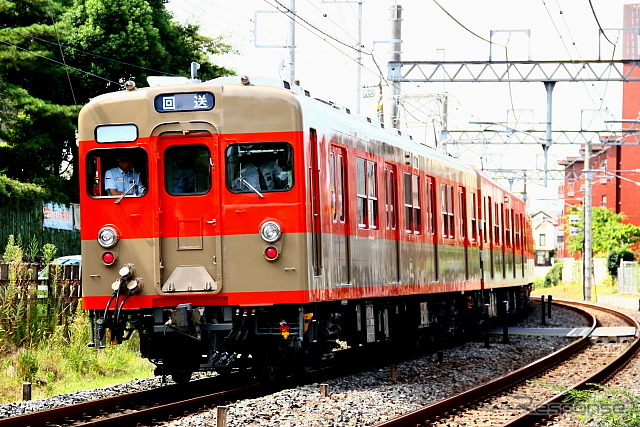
pixel 390 197
pixel 367 192
pixel 518 227
pixel 417 213
pixel 496 224
pixel 336 170
pixel 186 169
pixel 413 214
pixel 106 169
pixel 259 167
pixel 332 183
pixel 430 202
pixel 462 192
pixel 474 222
pixel 448 221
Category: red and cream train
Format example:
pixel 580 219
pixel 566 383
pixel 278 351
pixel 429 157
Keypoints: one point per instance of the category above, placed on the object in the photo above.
pixel 260 226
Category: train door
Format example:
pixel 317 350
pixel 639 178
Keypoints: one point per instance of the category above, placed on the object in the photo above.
pixel 391 222
pixel 189 205
pixel 488 208
pixel 316 224
pixel 462 193
pixel 339 215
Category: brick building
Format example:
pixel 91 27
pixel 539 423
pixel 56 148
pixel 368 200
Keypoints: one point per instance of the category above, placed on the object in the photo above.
pixel 615 162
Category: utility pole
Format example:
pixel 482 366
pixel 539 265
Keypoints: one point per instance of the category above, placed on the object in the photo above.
pixel 444 131
pixel 587 258
pixel 292 41
pixel 396 43
pixel 549 85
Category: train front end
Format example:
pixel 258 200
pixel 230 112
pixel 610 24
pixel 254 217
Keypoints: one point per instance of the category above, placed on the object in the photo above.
pixel 183 239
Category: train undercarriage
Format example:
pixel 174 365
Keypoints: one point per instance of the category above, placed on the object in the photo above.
pixel 272 341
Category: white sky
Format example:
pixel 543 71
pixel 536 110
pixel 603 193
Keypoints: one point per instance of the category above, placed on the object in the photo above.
pixel 560 30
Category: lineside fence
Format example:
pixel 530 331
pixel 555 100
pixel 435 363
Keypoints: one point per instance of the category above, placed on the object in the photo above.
pixel 32 308
pixel 629 278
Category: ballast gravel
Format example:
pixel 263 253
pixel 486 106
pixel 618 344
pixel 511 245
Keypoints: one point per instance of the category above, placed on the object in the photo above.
pixel 358 400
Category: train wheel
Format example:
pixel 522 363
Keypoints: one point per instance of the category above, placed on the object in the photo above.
pixel 304 363
pixel 181 377
pixel 268 368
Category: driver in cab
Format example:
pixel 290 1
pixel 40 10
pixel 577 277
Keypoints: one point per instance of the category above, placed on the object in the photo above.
pixel 123 179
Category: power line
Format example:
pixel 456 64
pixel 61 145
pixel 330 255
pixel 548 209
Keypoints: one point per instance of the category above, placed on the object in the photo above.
pixel 462 25
pixel 598 22
pixel 84 51
pixel 59 63
pixel 66 70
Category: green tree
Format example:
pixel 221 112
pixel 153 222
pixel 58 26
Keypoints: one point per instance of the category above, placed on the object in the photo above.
pixel 609 232
pixel 143 38
pixel 37 115
pixel 57 54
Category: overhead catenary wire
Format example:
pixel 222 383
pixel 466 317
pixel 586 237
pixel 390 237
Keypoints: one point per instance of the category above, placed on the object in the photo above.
pixel 595 16
pixel 59 63
pixel 66 70
pixel 95 55
pixel 597 104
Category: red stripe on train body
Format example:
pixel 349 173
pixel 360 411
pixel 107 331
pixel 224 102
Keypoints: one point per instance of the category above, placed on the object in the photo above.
pixel 215 213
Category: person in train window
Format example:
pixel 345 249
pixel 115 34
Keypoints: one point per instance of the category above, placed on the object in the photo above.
pixel 123 179
pixel 267 176
pixel 184 179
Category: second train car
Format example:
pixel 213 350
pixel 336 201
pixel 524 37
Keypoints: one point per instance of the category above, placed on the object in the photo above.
pixel 236 224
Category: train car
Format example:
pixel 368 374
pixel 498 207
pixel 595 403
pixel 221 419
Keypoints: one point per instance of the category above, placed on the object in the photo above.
pixel 240 223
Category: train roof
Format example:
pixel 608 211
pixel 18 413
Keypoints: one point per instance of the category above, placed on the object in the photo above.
pixel 375 129
pixel 367 127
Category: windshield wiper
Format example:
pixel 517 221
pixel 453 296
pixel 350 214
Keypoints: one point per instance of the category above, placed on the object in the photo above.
pixel 124 193
pixel 251 187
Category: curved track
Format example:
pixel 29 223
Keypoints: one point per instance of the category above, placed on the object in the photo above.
pixel 529 395
pixel 173 401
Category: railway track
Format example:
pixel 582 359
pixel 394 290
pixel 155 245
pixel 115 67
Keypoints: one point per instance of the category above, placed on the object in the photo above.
pixel 171 402
pixel 141 407
pixel 530 396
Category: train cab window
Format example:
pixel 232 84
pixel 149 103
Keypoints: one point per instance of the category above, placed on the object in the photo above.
pixel 259 167
pixel 117 172
pixel 186 170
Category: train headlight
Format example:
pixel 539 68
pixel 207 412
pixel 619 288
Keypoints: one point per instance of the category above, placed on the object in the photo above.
pixel 270 231
pixel 107 237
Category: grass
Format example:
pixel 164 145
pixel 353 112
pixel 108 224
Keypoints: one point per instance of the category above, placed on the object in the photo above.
pixel 573 291
pixel 65 364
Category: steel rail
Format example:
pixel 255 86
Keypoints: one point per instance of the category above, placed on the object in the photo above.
pixel 556 405
pixel 169 401
pixel 482 391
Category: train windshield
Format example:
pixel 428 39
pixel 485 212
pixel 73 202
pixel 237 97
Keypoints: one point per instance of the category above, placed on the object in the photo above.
pixel 259 167
pixel 120 172
pixel 187 170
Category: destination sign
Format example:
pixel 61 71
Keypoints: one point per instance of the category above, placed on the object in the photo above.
pixel 193 101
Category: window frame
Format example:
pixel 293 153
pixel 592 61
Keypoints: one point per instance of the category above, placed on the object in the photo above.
pixel 412 208
pixel 367 193
pixel 202 170
pixel 244 149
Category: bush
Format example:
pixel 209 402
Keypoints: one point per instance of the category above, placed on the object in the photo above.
pixel 27 365
pixel 552 278
pixel 622 253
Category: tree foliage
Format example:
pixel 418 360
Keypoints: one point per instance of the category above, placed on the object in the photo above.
pixel 609 232
pixel 143 38
pixel 57 54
